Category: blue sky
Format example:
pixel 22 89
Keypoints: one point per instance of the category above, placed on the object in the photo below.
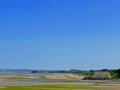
pixel 60 34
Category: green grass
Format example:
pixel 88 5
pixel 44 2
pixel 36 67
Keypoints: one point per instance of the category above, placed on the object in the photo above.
pixel 17 78
pixel 50 87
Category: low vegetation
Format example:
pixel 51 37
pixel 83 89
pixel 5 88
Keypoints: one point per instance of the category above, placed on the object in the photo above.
pixel 50 87
pixel 17 78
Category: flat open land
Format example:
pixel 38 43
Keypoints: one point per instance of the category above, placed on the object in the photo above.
pixel 54 82
pixel 63 87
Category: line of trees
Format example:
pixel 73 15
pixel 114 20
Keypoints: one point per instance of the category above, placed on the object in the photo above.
pixel 115 73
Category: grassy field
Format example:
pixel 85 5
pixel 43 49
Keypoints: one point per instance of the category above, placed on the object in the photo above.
pixel 64 87
pixel 50 87
pixel 18 78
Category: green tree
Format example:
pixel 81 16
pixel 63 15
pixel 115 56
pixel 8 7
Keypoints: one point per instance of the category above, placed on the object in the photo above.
pixel 116 74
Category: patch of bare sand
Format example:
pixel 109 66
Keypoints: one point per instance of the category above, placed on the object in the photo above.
pixel 63 76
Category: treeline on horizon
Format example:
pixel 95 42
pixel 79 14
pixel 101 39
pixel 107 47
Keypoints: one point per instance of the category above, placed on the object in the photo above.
pixel 115 73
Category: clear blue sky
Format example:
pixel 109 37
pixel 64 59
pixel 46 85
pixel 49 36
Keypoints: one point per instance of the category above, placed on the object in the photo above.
pixel 60 34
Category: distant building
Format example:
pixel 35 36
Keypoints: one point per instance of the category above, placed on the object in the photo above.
pixel 100 74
